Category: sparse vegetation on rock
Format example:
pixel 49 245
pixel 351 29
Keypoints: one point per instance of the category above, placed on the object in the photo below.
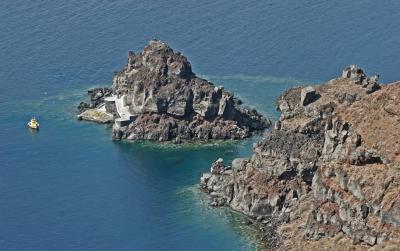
pixel 329 171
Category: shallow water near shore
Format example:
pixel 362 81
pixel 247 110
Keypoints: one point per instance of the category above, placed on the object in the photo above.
pixel 70 187
pixel 71 179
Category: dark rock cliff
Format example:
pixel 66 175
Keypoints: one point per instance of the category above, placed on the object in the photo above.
pixel 157 97
pixel 329 171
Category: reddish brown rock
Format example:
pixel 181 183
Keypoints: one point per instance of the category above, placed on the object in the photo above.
pixel 157 97
pixel 329 173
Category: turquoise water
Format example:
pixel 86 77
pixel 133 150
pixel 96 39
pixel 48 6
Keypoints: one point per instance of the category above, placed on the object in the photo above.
pixel 70 187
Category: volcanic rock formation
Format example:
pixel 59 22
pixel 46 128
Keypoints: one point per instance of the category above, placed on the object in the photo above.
pixel 329 171
pixel 157 97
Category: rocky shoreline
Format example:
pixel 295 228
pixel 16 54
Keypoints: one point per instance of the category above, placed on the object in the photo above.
pixel 157 97
pixel 326 176
pixel 329 171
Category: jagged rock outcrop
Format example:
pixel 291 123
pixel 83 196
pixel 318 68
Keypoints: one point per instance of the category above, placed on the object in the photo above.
pixel 96 109
pixel 157 97
pixel 97 96
pixel 357 75
pixel 329 170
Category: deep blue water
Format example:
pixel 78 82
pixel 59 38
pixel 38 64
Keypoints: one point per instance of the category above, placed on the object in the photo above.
pixel 69 187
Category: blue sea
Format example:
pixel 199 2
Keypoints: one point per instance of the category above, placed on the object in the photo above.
pixel 70 187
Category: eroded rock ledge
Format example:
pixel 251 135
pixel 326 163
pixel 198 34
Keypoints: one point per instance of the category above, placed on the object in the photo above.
pixel 328 171
pixel 157 97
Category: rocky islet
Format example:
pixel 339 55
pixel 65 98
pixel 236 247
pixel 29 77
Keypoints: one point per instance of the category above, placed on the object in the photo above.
pixel 157 97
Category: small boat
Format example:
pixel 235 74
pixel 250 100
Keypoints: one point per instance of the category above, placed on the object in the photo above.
pixel 33 124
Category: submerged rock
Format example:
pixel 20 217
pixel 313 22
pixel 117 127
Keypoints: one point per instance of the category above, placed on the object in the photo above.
pixel 157 97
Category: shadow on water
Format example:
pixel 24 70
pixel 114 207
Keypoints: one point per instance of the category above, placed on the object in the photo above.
pixel 172 162
pixel 34 132
pixel 170 175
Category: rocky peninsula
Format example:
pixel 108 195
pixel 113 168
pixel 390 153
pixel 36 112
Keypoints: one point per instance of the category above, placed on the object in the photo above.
pixel 157 97
pixel 327 177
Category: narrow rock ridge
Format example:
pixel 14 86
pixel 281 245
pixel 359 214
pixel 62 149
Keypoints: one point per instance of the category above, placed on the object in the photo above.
pixel 157 97
pixel 328 171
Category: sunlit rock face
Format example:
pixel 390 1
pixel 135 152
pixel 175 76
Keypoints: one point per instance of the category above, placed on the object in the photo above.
pixel 329 171
pixel 170 103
